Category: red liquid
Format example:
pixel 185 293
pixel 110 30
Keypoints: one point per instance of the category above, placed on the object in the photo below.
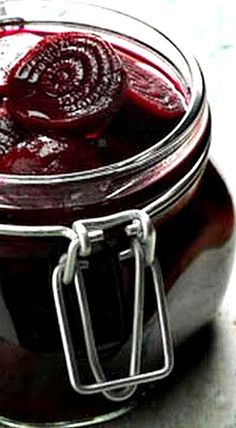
pixel 141 121
pixel 195 236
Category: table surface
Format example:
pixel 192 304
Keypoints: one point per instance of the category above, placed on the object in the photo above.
pixel 202 394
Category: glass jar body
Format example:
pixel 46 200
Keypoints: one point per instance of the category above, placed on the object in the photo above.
pixel 195 248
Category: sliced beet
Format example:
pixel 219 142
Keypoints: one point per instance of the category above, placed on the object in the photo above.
pixel 69 80
pixel 50 154
pixel 12 47
pixel 151 91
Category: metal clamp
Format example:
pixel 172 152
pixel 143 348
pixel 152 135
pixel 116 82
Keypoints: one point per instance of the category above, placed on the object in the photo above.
pixel 141 232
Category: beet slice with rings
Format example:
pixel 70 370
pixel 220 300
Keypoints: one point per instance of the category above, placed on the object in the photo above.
pixel 69 80
pixel 151 91
pixel 12 47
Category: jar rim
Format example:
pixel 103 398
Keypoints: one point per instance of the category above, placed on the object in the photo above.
pixel 153 154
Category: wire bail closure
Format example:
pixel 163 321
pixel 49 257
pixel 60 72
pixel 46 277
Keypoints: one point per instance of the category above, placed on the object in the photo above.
pixel 142 235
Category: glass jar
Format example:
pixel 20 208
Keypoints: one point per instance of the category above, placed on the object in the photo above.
pixel 104 272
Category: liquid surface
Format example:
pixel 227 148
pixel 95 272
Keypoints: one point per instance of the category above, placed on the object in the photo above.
pixel 73 102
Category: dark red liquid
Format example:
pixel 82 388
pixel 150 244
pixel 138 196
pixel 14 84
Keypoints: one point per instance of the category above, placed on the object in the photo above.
pixel 142 119
pixel 194 240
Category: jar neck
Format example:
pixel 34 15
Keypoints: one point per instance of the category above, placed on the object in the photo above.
pixel 184 167
pixel 156 190
pixel 155 187
pixel 163 184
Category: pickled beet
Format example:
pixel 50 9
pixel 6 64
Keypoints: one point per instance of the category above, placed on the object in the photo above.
pixel 150 90
pixel 49 154
pixel 9 132
pixel 74 102
pixel 69 80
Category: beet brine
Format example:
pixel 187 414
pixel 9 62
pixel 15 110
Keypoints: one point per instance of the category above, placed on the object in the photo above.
pixel 72 101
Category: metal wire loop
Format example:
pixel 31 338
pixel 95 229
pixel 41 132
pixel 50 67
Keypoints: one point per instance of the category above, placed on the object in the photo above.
pixel 122 388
